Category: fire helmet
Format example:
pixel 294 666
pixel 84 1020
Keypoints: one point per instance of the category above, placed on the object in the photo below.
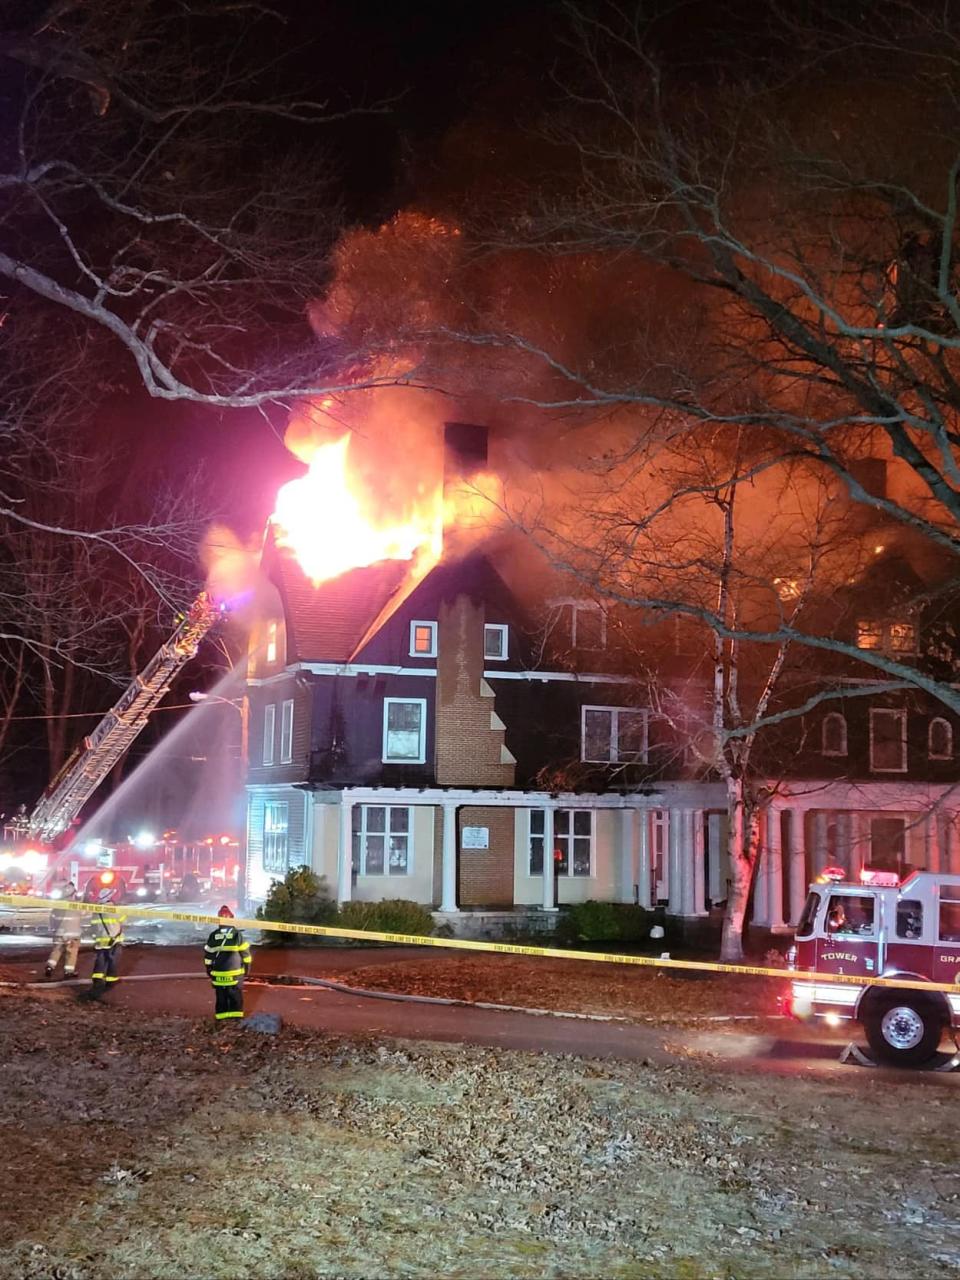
pixel 225 913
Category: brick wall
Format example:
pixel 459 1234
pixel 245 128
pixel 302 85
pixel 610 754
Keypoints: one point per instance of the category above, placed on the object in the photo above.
pixel 486 875
pixel 470 749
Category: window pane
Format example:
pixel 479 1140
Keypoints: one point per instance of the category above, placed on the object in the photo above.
pixel 909 919
pixel 494 642
pixel 403 730
pixel 869 635
pixel 588 624
pixel 398 855
pixel 941 738
pixel 536 822
pixel 376 818
pixel 400 819
pixel 536 855
pixel 582 822
pixel 374 856
pixel 581 856
pixel 903 637
pixel 561 822
pixel 950 921
pixel 631 735
pixel 561 858
pixel 423 638
pixel 850 914
pixel 835 735
pixel 888 746
pixel 808 915
pixel 597 727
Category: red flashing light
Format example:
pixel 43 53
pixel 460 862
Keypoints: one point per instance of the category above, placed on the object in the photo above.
pixel 106 877
pixel 881 879
pixel 224 839
pixel 832 875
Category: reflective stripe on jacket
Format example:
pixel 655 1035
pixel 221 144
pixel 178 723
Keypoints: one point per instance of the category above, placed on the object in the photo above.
pixel 109 931
pixel 226 956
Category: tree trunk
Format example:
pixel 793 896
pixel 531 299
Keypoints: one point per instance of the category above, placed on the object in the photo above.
pixel 743 838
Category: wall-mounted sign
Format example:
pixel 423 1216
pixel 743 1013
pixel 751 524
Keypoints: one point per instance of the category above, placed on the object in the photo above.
pixel 475 838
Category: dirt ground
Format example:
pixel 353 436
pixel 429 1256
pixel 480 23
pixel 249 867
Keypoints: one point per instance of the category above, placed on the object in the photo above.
pixel 575 986
pixel 137 1147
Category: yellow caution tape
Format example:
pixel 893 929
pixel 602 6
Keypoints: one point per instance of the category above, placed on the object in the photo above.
pixel 467 944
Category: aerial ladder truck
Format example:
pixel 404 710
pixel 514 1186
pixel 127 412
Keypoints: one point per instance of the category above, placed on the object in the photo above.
pixel 97 754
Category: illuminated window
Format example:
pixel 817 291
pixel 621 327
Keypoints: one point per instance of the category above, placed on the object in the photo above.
pixel 271 642
pixel 940 739
pixel 888 740
pixel 404 730
pixel 902 637
pixel 572 842
pixel 891 637
pixel 269 732
pixel 423 639
pixel 276 826
pixel 833 735
pixel 382 840
pixel 286 731
pixel 495 641
pixel 869 635
pixel 613 735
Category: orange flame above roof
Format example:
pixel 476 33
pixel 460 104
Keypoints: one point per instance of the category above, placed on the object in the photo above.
pixel 331 521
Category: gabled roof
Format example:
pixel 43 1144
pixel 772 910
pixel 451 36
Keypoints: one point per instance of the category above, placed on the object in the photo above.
pixel 326 623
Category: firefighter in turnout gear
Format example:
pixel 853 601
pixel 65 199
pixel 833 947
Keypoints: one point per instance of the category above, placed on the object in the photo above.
pixel 66 927
pixel 108 934
pixel 227 960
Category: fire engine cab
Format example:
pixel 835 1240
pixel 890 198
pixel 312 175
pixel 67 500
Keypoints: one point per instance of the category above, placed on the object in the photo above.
pixel 881 927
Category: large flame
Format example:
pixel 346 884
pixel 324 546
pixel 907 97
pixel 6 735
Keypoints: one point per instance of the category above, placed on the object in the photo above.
pixel 332 522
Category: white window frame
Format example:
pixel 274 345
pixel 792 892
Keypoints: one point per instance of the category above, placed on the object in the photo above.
pixel 422 751
pixel 272 642
pixel 281 808
pixel 568 874
pixel 830 716
pixel 432 627
pixel 936 755
pixel 890 711
pixel 504 632
pixel 614 757
pixel 587 606
pixel 286 731
pixel 361 844
pixel 269 733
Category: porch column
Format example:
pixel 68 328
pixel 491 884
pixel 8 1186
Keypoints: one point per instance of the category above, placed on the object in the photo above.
pixel 949 850
pixel 698 905
pixel 862 841
pixel 674 863
pixel 761 895
pixel 820 850
pixel 844 829
pixel 626 868
pixel 716 887
pixel 344 852
pixel 932 841
pixel 549 866
pixel 644 861
pixel 796 863
pixel 448 865
pixel 774 869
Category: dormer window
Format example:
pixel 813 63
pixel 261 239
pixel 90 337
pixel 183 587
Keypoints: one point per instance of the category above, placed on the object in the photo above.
pixel 588 628
pixel 423 639
pixel 940 739
pixel 271 653
pixel 495 642
pixel 833 740
pixel 893 636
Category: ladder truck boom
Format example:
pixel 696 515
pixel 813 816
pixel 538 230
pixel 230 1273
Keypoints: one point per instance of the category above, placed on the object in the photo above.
pixel 97 754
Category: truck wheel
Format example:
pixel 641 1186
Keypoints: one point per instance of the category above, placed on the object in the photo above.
pixel 902 1030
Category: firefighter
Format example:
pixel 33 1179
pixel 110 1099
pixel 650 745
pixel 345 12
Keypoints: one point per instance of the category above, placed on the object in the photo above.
pixel 226 957
pixel 66 927
pixel 109 935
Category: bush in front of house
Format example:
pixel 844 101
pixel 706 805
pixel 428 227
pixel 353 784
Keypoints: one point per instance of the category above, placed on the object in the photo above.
pixel 301 897
pixel 588 921
pixel 392 915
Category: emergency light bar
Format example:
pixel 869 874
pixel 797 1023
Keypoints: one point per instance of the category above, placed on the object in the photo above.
pixel 832 875
pixel 880 879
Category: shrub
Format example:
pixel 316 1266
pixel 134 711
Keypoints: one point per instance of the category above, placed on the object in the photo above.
pixel 393 915
pixel 589 922
pixel 299 898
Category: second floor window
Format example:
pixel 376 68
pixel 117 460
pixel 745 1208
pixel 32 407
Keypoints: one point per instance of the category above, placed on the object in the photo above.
pixel 269 732
pixel 495 642
pixel 423 639
pixel 404 730
pixel 613 735
pixel 888 740
pixel 891 636
pixel 286 731
pixel 833 732
pixel 271 642
pixel 940 739
pixel 276 827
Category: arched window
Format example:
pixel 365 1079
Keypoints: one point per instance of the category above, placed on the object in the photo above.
pixel 940 739
pixel 833 735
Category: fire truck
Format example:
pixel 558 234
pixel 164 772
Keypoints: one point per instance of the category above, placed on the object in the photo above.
pixel 881 927
pixel 39 849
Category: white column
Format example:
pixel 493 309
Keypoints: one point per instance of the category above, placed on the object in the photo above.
pixel 932 840
pixel 549 866
pixel 862 853
pixel 761 894
pixel 644 859
pixel 674 863
pixel 796 863
pixel 448 863
pixel 820 851
pixel 344 852
pixel 844 829
pixel 698 904
pixel 774 869
pixel 716 886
